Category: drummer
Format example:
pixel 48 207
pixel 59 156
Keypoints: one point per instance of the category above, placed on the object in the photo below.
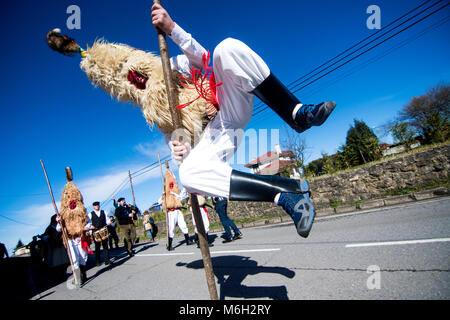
pixel 96 221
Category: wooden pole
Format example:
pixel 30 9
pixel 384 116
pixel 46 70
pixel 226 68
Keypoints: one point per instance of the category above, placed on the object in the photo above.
pixel 61 222
pixel 165 211
pixel 131 186
pixel 176 119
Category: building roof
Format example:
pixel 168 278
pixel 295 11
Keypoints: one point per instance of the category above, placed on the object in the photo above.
pixel 269 156
pixel 275 167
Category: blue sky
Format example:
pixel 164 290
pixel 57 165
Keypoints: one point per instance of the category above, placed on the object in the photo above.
pixel 50 111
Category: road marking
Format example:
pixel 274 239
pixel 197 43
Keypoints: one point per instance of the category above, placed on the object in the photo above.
pixel 393 243
pixel 163 254
pixel 249 250
pixel 212 252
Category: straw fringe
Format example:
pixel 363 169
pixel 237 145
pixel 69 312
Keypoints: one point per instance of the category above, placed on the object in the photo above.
pixel 107 65
pixel 74 219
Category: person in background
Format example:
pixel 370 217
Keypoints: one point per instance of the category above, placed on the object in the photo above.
pixel 3 252
pixel 34 250
pixel 205 218
pixel 112 229
pixel 125 216
pixel 148 221
pixel 96 221
pixel 55 253
pixel 220 205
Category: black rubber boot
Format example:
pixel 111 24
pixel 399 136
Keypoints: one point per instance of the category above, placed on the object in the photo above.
pixel 107 261
pixel 209 242
pixel 188 241
pixel 254 187
pixel 275 94
pixel 83 274
pixel 169 246
pixel 293 196
pixel 196 239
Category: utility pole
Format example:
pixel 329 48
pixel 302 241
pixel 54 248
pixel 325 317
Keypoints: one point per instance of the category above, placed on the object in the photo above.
pixel 131 186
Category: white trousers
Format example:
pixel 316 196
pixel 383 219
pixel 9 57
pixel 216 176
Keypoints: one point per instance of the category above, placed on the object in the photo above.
pixel 176 217
pixel 205 219
pixel 206 170
pixel 79 256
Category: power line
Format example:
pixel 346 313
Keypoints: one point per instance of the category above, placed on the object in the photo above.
pixel 22 195
pixel 19 222
pixel 370 61
pixel 135 174
pixel 348 49
pixel 155 165
pixel 150 165
pixel 293 84
pixel 360 54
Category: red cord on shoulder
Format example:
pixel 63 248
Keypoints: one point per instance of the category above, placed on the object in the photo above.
pixel 205 83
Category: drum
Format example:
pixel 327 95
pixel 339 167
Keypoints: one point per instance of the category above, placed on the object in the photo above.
pixel 101 234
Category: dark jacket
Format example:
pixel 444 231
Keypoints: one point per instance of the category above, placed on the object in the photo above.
pixel 122 213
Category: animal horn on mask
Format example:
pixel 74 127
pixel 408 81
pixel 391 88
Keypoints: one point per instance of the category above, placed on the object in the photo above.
pixel 63 44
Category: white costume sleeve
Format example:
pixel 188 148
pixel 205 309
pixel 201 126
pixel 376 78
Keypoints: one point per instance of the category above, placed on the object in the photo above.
pixel 183 195
pixel 89 223
pixel 193 51
pixel 193 56
pixel 167 138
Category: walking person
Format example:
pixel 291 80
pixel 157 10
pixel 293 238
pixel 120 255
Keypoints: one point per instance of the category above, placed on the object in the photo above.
pixel 112 229
pixel 171 201
pixel 205 218
pixel 148 222
pixel 125 216
pixel 3 252
pixel 97 221
pixel 220 205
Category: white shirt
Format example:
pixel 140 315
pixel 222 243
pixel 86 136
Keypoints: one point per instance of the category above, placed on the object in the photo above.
pixel 193 51
pixel 97 213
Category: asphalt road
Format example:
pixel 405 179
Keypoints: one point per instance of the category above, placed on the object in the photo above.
pixel 400 252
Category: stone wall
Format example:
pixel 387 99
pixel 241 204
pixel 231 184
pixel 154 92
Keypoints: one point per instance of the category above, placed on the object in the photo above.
pixel 374 181
pixel 370 182
pixel 362 185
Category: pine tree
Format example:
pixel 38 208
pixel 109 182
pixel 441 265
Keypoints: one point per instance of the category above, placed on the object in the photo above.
pixel 19 245
pixel 361 144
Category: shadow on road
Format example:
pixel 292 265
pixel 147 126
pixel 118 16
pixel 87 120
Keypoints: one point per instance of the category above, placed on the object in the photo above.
pixel 231 271
pixel 118 257
pixel 211 239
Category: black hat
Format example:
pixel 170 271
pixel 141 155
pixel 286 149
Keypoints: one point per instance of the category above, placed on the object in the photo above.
pixel 120 199
pixel 96 203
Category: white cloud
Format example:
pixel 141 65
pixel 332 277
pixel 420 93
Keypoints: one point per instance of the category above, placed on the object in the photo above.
pixel 150 149
pixel 97 188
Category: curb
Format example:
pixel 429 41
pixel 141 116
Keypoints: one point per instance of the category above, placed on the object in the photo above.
pixel 365 205
pixel 386 202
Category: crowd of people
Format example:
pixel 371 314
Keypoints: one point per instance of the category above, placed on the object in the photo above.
pixel 48 248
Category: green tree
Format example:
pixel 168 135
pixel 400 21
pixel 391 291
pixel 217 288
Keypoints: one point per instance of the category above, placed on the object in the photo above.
pixel 19 245
pixel 314 168
pixel 346 157
pixel 402 133
pixel 361 144
pixel 429 114
pixel 328 164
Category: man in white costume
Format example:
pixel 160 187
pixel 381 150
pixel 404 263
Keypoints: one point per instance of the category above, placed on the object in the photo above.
pixel 204 169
